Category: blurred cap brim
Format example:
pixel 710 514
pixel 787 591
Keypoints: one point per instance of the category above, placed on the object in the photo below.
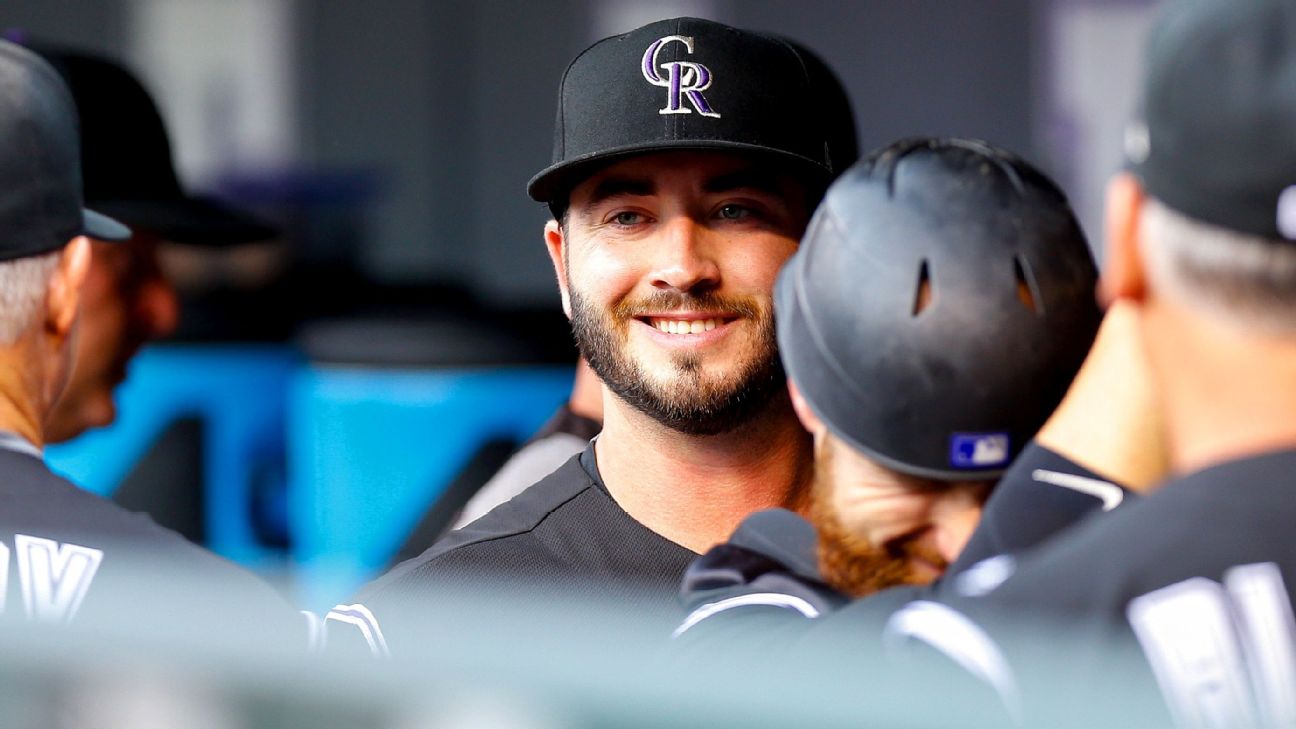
pixel 193 220
pixel 101 227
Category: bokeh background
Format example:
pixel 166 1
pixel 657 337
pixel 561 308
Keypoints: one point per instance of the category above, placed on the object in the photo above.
pixel 445 108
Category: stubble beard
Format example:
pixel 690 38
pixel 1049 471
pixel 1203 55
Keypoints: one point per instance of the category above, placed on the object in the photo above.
pixel 688 402
pixel 848 562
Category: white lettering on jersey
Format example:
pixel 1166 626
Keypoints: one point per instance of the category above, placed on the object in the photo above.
pixel 1264 615
pixel 54 577
pixel 359 616
pixel 1223 655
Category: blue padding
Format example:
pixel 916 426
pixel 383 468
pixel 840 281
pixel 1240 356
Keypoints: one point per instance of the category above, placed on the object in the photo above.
pixel 371 450
pixel 239 393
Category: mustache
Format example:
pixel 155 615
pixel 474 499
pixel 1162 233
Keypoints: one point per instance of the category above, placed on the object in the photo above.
pixel 706 303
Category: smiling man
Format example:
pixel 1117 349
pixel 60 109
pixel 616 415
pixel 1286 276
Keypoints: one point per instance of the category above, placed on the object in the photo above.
pixel 688 156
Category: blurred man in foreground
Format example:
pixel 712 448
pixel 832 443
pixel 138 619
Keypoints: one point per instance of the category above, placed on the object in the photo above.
pixel 1202 247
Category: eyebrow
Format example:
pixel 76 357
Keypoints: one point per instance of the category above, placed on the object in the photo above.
pixel 744 179
pixel 615 186
pixel 751 179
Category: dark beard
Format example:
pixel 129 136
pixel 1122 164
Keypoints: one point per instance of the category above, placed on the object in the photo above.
pixel 849 562
pixel 691 405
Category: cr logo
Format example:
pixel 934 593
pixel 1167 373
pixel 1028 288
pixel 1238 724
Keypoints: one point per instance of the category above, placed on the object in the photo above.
pixel 683 79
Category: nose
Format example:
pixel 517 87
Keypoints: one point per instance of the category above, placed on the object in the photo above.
pixel 684 261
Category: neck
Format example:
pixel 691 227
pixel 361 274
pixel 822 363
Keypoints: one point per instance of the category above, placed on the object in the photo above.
pixel 694 490
pixel 1235 400
pixel 20 397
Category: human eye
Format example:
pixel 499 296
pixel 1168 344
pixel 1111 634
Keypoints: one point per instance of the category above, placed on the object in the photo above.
pixel 733 211
pixel 626 218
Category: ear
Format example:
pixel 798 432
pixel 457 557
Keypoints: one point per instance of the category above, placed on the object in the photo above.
pixel 1123 273
pixel 555 242
pixel 63 297
pixel 809 420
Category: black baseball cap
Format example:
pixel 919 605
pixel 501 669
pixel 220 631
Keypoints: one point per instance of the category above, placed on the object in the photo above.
pixel 1216 133
pixel 688 83
pixel 126 158
pixel 41 205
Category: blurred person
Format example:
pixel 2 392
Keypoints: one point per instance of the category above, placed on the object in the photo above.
pixel 937 311
pixel 66 554
pixel 127 168
pixel 674 203
pixel 1201 235
pixel 567 432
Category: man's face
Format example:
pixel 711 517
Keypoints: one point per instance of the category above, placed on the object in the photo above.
pixel 126 302
pixel 879 528
pixel 667 263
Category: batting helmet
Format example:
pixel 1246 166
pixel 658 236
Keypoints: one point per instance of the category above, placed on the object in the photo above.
pixel 939 306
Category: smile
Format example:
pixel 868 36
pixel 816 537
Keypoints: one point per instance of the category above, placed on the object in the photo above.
pixel 684 326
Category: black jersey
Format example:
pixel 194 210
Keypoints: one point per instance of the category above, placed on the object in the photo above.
pixel 1041 495
pixel 566 532
pixel 70 557
pixel 1198 577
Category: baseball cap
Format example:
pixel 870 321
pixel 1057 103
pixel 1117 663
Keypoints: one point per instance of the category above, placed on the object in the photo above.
pixel 40 176
pixel 126 158
pixel 1216 133
pixel 688 83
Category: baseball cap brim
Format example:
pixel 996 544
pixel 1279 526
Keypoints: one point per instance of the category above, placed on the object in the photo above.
pixel 191 220
pixel 557 180
pixel 101 227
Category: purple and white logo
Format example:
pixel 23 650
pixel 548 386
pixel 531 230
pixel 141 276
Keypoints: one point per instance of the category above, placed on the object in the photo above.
pixel 682 79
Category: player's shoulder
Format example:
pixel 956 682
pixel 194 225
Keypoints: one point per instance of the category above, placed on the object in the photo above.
pixel 504 536
pixel 1188 528
pixel 38 500
pixel 522 514
pixel 1041 494
pixel 762 581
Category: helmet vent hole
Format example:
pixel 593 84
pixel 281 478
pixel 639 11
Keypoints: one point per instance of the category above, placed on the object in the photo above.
pixel 923 293
pixel 1027 289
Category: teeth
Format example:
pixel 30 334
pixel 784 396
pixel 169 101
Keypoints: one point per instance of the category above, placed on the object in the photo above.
pixel 697 326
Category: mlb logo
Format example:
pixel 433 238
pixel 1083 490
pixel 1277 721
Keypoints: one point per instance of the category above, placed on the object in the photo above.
pixel 978 450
